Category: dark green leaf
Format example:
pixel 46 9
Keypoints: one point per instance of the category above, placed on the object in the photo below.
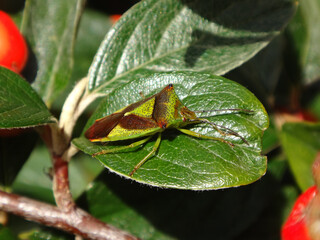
pixel 183 161
pixel 305 35
pixel 173 214
pixel 301 142
pixel 199 35
pixel 20 105
pixel 50 27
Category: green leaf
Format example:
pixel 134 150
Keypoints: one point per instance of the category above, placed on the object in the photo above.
pixel 50 27
pixel 202 36
pixel 20 105
pixel 151 213
pixel 305 35
pixel 183 161
pixel 301 142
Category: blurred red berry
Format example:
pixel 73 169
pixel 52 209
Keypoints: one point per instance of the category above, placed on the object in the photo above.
pixel 295 227
pixel 114 18
pixel 13 48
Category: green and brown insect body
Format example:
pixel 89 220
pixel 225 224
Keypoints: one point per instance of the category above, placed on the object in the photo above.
pixel 148 117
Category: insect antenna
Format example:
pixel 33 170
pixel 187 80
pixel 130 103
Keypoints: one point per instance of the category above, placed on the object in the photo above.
pixel 217 126
pixel 224 110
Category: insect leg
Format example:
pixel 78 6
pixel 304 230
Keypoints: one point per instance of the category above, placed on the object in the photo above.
pixel 132 145
pixel 154 149
pixel 198 135
pixel 222 132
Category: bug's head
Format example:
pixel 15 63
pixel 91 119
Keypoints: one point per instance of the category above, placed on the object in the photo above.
pixel 169 87
pixel 187 114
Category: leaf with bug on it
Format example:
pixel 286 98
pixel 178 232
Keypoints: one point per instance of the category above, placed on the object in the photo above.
pixel 190 162
pixel 148 117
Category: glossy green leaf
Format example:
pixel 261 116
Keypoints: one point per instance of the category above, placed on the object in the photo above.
pixel 154 214
pixel 20 105
pixel 50 27
pixel 305 35
pixel 183 161
pixel 301 142
pixel 203 36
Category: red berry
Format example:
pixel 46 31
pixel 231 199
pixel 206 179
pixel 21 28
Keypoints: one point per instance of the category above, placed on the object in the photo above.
pixel 295 227
pixel 13 48
pixel 115 17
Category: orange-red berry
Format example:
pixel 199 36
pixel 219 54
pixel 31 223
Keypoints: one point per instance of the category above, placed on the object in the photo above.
pixel 295 227
pixel 13 48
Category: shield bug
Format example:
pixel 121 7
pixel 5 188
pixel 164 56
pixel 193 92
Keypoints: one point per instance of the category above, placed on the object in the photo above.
pixel 150 116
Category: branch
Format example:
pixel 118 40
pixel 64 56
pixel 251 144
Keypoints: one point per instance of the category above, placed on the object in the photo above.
pixel 77 221
pixel 67 216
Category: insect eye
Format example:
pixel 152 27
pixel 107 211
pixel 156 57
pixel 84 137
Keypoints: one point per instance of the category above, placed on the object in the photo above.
pixel 169 87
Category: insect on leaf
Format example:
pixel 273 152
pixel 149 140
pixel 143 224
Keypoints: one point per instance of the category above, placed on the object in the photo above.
pixel 181 160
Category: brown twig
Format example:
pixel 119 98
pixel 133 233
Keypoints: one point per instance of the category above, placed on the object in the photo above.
pixel 56 142
pixel 61 188
pixel 76 221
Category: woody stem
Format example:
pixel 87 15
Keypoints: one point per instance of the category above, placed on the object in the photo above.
pixel 77 221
